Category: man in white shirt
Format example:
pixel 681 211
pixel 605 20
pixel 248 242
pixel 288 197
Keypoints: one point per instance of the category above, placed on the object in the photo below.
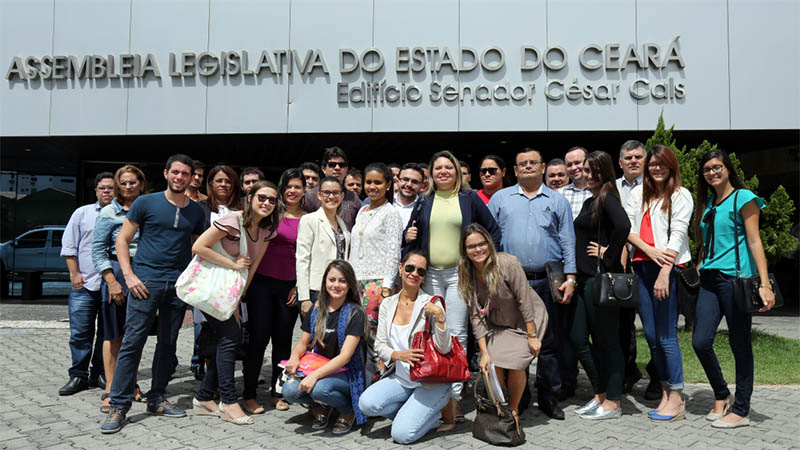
pixel 631 160
pixel 576 192
pixel 410 183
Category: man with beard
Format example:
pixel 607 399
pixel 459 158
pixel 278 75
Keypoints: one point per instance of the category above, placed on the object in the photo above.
pixel 334 164
pixel 193 190
pixel 410 181
pixel 167 223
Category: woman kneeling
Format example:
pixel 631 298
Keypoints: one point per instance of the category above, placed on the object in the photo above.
pixel 413 407
pixel 339 324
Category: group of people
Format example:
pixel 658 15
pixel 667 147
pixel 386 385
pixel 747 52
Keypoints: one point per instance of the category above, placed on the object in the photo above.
pixel 366 275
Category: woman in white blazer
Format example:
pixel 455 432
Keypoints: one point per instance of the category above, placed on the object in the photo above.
pixel 414 408
pixel 321 237
pixel 660 210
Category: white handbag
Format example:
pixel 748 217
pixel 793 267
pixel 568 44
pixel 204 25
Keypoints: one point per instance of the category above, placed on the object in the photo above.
pixel 213 289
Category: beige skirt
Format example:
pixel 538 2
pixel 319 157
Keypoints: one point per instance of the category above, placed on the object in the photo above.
pixel 508 348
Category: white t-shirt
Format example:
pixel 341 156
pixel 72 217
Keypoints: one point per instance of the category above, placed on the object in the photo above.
pixel 399 338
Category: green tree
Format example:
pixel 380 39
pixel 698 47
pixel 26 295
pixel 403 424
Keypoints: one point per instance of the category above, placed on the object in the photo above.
pixel 776 217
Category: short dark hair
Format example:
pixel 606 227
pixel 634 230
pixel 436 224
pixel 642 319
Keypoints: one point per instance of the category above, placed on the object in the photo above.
pixel 355 173
pixel 412 253
pixel 252 170
pixel 181 158
pixel 526 150
pixel 577 147
pixel 556 162
pixel 393 166
pixel 198 165
pixel 464 165
pixel 414 167
pixel 333 152
pixel 101 176
pixel 310 166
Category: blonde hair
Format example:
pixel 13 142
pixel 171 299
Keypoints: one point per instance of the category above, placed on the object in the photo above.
pixel 456 164
pixel 491 269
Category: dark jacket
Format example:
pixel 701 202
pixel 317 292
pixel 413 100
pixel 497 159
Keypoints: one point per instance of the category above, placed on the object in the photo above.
pixel 473 210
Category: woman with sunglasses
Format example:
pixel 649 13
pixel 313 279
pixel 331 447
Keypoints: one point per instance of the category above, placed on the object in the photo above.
pixel 492 172
pixel 435 228
pixel 413 407
pixel 322 236
pixel 272 297
pixel 375 252
pixel 601 231
pixel 334 329
pixel 659 210
pixel 729 211
pixel 258 224
pixel 129 184
pixel 506 313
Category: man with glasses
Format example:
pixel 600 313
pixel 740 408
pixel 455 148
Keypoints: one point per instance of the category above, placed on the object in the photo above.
pixel 410 184
pixel 249 177
pixel 576 192
pixel 537 228
pixel 193 190
pixel 334 164
pixel 631 161
pixel 84 300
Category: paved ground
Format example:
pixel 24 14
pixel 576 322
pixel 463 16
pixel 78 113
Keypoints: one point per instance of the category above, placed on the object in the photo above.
pixel 32 415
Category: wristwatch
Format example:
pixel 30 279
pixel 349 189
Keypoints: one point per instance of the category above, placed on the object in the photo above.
pixel 571 280
pixel 532 335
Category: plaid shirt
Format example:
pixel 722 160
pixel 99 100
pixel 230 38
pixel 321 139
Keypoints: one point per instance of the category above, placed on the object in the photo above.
pixel 576 197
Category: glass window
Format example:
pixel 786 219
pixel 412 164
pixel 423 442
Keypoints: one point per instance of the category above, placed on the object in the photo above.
pixel 35 239
pixel 57 238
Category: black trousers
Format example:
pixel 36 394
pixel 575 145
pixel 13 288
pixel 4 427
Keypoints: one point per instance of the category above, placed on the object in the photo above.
pixel 627 341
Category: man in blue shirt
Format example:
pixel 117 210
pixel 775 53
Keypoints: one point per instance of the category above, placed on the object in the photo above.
pixel 84 300
pixel 167 222
pixel 536 222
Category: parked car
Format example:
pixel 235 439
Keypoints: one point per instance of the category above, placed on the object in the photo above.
pixel 36 250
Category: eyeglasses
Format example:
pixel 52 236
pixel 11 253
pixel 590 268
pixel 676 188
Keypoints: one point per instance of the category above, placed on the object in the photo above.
pixel 105 188
pixel 715 168
pixel 128 183
pixel 489 170
pixel 410 268
pixel 222 181
pixel 478 245
pixel 332 164
pixel 529 162
pixel 330 193
pixel 656 165
pixel 265 198
pixel 410 181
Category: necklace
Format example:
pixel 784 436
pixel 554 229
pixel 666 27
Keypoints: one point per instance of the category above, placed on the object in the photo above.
pixel 486 310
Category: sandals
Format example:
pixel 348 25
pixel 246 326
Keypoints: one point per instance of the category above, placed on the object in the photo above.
pixel 140 398
pixel 202 410
pixel 320 419
pixel 343 425
pixel 243 420
pixel 280 404
pixel 105 409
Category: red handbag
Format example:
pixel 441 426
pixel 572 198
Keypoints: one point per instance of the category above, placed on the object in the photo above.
pixel 436 367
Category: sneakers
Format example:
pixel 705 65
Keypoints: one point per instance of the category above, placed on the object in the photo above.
pixel 114 421
pixel 165 408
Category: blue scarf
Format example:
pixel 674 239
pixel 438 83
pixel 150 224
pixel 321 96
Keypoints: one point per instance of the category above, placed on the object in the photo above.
pixel 355 367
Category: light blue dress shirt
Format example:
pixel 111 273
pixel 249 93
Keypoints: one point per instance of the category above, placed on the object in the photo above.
pixel 536 230
pixel 77 241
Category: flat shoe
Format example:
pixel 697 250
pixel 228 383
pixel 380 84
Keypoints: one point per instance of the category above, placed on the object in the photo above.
pixel 713 417
pixel 659 418
pixel 601 414
pixel 202 410
pixel 321 419
pixel 279 404
pixel 343 425
pixel 243 420
pixel 720 424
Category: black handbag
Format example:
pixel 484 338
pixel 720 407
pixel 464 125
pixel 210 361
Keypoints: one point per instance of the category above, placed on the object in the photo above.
pixel 745 290
pixel 615 290
pixel 207 342
pixel 688 285
pixel 495 423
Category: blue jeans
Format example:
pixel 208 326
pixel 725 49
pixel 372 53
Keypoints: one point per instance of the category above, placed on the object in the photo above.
pixel 660 324
pixel 220 369
pixel 141 314
pixel 414 412
pixel 714 300
pixel 84 313
pixel 444 282
pixel 333 390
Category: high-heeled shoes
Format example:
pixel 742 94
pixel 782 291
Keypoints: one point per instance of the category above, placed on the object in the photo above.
pixel 201 410
pixel 243 420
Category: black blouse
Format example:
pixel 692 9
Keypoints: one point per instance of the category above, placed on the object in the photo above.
pixel 614 229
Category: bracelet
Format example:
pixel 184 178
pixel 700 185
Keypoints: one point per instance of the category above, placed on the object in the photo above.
pixel 532 335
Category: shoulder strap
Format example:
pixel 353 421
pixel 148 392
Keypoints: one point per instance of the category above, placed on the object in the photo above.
pixel 736 235
pixel 243 237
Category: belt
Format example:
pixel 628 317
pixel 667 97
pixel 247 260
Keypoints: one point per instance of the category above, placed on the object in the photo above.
pixel 535 275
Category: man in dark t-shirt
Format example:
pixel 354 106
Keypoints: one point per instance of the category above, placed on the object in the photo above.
pixel 334 164
pixel 167 223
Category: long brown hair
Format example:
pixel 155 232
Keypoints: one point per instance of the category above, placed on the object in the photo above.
pixel 601 164
pixel 491 269
pixel 650 192
pixel 118 179
pixel 324 299
pixel 213 202
pixel 272 220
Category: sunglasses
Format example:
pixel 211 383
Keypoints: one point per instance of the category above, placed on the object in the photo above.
pixel 332 164
pixel 410 268
pixel 265 198
pixel 489 170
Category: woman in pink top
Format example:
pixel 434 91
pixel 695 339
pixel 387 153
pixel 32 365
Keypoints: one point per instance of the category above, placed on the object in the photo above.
pixel 272 298
pixel 258 222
